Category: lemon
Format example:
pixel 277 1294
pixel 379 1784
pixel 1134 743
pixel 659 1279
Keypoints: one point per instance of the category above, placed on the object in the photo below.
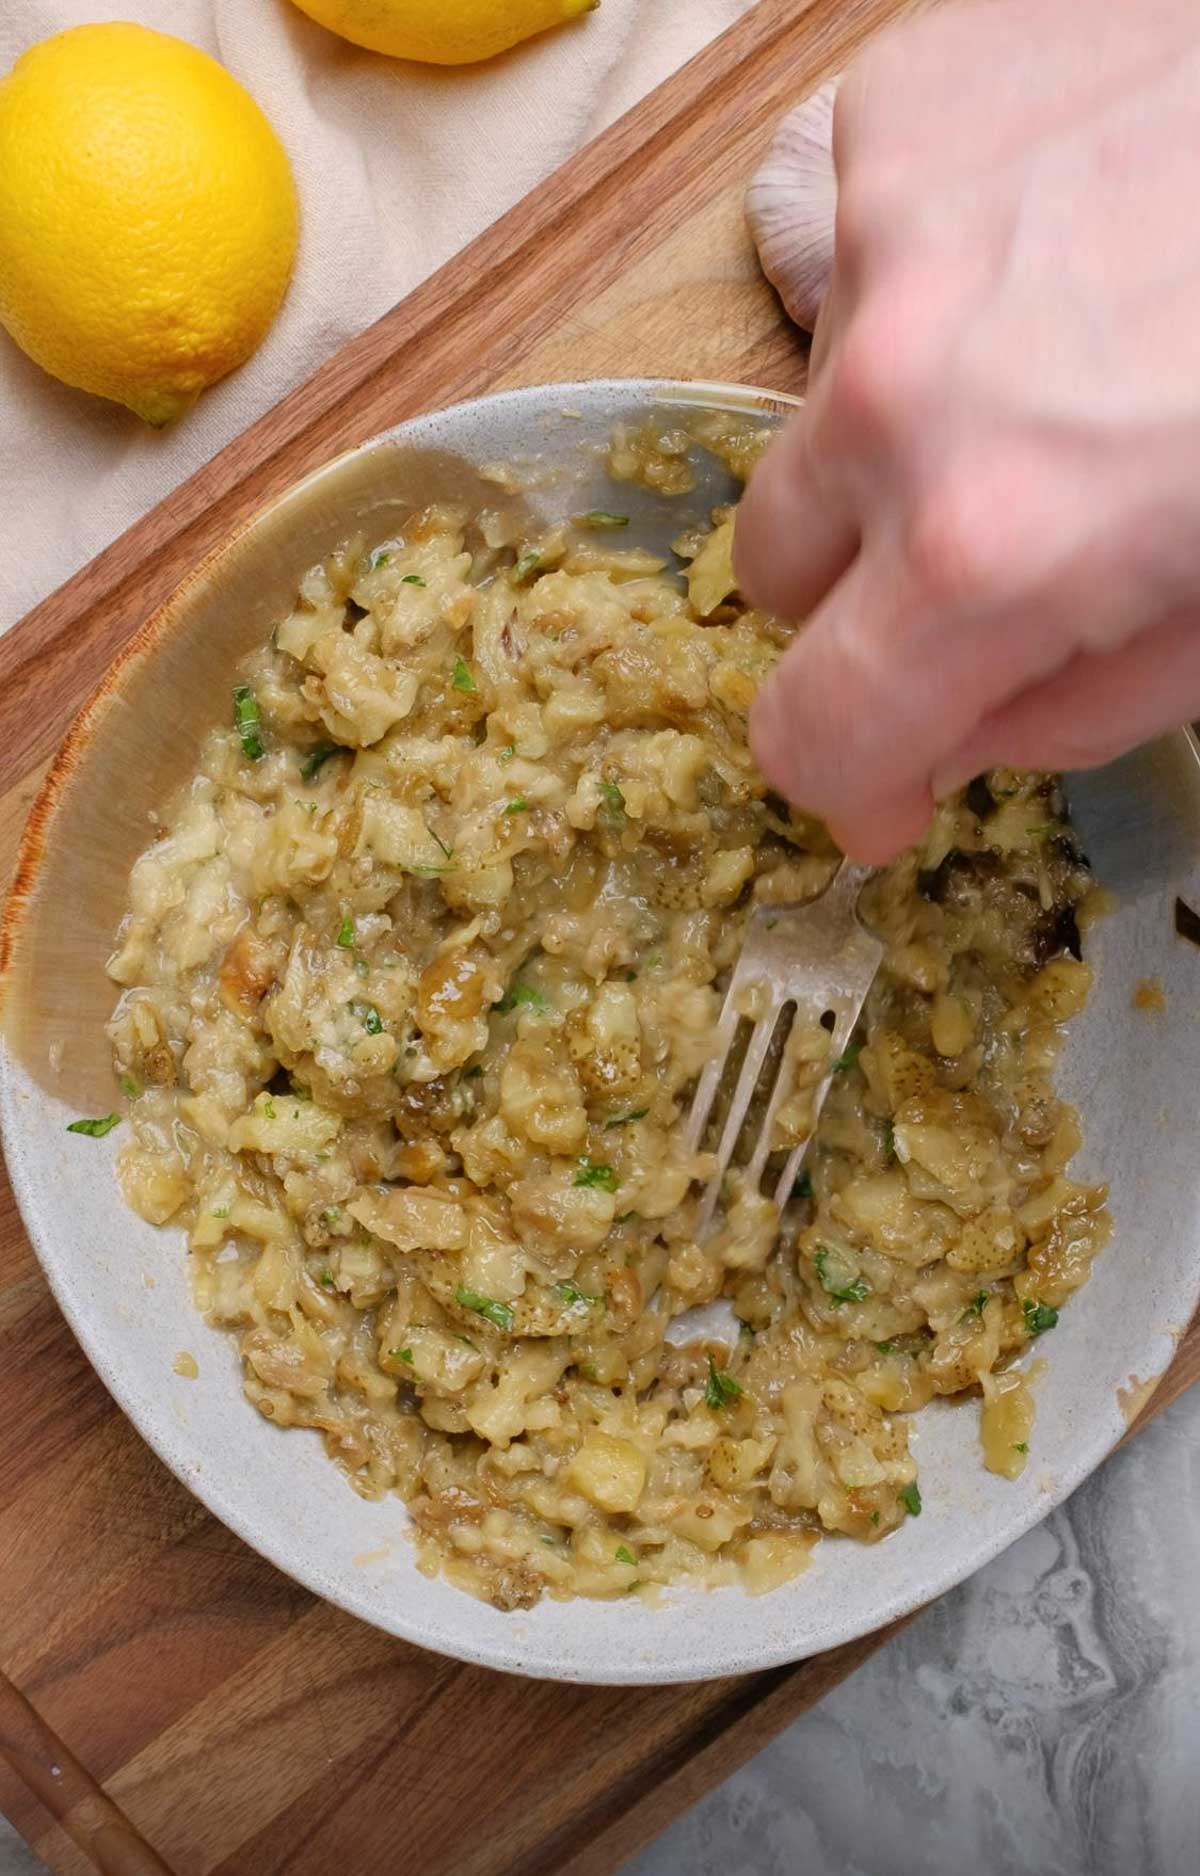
pixel 148 216
pixel 441 32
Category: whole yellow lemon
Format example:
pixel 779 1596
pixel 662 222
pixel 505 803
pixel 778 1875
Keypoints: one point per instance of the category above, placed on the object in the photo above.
pixel 148 216
pixel 441 32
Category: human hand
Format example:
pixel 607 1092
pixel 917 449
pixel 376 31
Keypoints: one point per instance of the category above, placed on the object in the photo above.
pixel 990 506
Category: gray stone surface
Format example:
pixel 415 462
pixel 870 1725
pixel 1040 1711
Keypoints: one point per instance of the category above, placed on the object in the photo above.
pixel 1042 1720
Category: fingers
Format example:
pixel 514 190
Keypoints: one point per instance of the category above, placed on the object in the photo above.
pixel 832 731
pixel 795 535
pixel 1093 710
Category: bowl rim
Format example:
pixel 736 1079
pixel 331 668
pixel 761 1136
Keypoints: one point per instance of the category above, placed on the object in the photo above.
pixel 962 1559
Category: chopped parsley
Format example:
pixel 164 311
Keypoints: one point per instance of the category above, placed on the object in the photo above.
pixel 371 1020
pixel 411 579
pixel 848 1059
pixel 380 559
pixel 462 679
pixel 624 1554
pixel 507 753
pixel 720 1388
pixel 247 721
pixel 889 1142
pixel 874 1517
pixel 1021 1446
pixel 331 1214
pixel 498 1314
pixel 326 1279
pixel 518 805
pixel 592 1174
pixel 402 1354
pixel 129 1087
pixel 600 518
pixel 448 851
pixel 572 1294
pixel 886 1348
pixel 345 937
pixel 221 1211
pixel 856 1291
pixel 910 1498
pixel 976 1306
pixel 518 995
pixel 310 769
pixel 1039 1316
pixel 1043 829
pixel 526 565
pixel 269 1108
pixel 623 1120
pixel 614 802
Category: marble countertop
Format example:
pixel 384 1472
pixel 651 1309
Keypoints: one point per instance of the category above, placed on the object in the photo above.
pixel 1041 1720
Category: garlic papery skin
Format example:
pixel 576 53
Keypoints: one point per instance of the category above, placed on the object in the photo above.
pixel 791 205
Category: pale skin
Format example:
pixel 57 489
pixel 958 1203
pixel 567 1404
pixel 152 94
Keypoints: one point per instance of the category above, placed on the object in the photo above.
pixel 989 511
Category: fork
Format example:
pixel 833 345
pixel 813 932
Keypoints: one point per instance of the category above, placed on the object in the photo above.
pixel 815 960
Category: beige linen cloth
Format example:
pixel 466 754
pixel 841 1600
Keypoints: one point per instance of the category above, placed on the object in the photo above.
pixel 398 166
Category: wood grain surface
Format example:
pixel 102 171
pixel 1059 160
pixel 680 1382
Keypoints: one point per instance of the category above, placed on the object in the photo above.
pixel 172 1701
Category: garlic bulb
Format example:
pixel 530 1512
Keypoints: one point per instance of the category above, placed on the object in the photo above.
pixel 791 203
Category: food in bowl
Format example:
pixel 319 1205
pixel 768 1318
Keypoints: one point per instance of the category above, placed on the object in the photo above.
pixel 418 976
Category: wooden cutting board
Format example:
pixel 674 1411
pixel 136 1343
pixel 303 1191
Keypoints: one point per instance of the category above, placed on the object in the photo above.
pixel 165 1687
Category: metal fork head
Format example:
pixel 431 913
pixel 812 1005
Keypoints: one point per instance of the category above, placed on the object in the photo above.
pixel 800 967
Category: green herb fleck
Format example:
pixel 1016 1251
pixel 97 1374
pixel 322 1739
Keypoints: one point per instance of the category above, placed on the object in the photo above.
pixel 855 1292
pixel 362 967
pixel 1039 1317
pixel 526 565
pixel 380 559
pixel 910 1498
pixel 326 1279
pixel 1021 1446
pixel 600 518
pixel 372 1021
pixel 246 720
pixel 886 1348
pixel 310 769
pixel 1042 829
pixel 269 1108
pixel 976 1306
pixel 129 1087
pixel 402 1354
pixel 466 1340
pixel 507 753
pixel 614 802
pixel 720 1388
pixel 623 1120
pixel 847 1060
pixel 448 851
pixel 474 1072
pixel 345 937
pixel 572 1294
pixel 518 805
pixel 624 1554
pixel 331 1214
pixel 411 579
pixel 803 1188
pixel 498 1314
pixel 874 1517
pixel 221 1211
pixel 591 1174
pixel 519 994
pixel 462 679
pixel 552 1541
pixel 889 1142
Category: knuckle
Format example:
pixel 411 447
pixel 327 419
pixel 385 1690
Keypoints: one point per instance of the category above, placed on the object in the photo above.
pixel 957 551
pixel 866 391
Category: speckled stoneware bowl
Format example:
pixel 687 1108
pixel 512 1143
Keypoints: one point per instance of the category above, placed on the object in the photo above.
pixel 124 1287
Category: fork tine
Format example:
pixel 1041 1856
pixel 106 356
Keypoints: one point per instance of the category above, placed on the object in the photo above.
pixel 839 1040
pixel 714 1068
pixel 743 1094
pixel 781 1086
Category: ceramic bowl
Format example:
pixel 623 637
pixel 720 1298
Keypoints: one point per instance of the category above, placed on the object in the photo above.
pixel 123 1285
